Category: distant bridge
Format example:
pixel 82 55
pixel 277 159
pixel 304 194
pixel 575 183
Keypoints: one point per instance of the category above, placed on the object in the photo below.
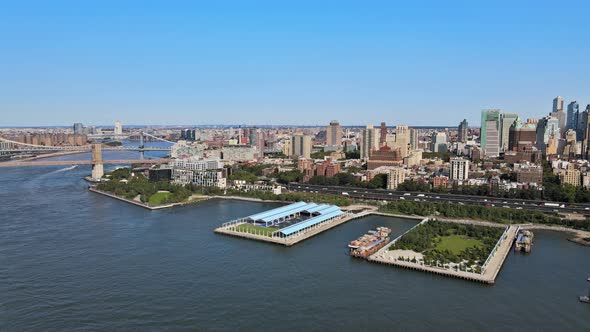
pixel 10 146
pixel 81 162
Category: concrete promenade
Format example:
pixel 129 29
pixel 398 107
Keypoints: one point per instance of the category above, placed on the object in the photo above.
pixel 313 231
pixel 488 276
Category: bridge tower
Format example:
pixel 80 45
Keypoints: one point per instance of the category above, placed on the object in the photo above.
pixel 97 166
pixel 141 145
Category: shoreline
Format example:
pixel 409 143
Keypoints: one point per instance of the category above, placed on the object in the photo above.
pixel 578 236
pixel 143 205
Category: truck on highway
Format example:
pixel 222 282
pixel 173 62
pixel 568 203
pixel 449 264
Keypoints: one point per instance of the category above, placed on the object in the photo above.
pixel 554 205
pixel 345 194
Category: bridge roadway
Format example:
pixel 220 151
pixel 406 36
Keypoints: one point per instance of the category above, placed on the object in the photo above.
pixel 86 149
pixel 81 162
pixel 388 195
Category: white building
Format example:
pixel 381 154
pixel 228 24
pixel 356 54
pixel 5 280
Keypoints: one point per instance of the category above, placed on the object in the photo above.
pixel 206 178
pixel 459 169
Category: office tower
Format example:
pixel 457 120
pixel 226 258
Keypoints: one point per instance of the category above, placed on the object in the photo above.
pixel 383 134
pixel 438 142
pixel 490 132
pixel 547 128
pixel 414 141
pixel 586 141
pixel 118 128
pixel 459 169
pixel 301 145
pixel 463 128
pixel 334 134
pixel 558 104
pixel 369 141
pixel 581 125
pixel 506 121
pixel 78 128
pixel 573 110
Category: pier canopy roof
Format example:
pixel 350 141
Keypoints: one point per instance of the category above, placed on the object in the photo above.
pixel 310 222
pixel 288 212
pixel 269 213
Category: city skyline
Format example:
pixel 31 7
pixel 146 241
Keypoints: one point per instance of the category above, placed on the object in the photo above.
pixel 204 64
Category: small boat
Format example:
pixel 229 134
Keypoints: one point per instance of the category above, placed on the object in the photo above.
pixel 585 299
pixel 588 279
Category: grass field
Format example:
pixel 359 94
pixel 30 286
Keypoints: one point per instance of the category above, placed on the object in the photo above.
pixel 457 243
pixel 158 198
pixel 248 228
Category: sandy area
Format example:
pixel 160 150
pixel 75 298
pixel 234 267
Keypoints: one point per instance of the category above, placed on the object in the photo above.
pixel 395 254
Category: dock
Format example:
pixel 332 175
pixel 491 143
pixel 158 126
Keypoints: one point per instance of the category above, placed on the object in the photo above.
pixel 490 269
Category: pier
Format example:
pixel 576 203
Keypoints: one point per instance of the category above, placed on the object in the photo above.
pixel 490 268
pixel 293 233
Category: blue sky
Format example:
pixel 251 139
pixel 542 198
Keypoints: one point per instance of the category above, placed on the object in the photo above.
pixel 296 62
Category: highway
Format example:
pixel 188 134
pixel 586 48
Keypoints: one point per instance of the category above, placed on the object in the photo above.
pixel 389 195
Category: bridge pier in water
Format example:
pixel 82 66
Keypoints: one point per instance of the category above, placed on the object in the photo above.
pixel 97 165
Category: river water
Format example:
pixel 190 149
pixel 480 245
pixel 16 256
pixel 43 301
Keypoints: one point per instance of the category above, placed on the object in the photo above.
pixel 74 260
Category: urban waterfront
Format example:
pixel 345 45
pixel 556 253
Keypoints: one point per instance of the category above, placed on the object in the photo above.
pixel 74 260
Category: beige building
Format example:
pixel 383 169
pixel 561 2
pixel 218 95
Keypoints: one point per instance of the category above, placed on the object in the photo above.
pixel 370 141
pixel 334 134
pixel 300 146
pixel 396 176
pixel 570 175
pixel 413 158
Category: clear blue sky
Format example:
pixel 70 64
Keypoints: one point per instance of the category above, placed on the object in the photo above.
pixel 302 62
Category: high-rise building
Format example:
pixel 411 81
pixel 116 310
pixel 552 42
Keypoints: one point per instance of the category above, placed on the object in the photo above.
pixel 547 129
pixel 490 132
pixel 506 121
pixel 558 104
pixel 402 139
pixel 395 176
pixel 522 135
pixel 463 128
pixel 438 142
pixel 301 146
pixel 118 128
pixel 414 141
pixel 582 124
pixel 78 128
pixel 334 134
pixel 459 169
pixel 383 134
pixel 573 110
pixel 368 141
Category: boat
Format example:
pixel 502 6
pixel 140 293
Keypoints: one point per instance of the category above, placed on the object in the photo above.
pixel 585 298
pixel 369 243
pixel 588 279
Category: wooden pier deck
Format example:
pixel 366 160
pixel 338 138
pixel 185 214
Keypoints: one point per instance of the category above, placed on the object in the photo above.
pixel 488 276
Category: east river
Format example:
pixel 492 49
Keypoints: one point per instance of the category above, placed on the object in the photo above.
pixel 73 260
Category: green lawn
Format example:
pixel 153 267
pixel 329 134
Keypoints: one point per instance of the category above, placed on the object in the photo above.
pixel 158 198
pixel 457 243
pixel 249 228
